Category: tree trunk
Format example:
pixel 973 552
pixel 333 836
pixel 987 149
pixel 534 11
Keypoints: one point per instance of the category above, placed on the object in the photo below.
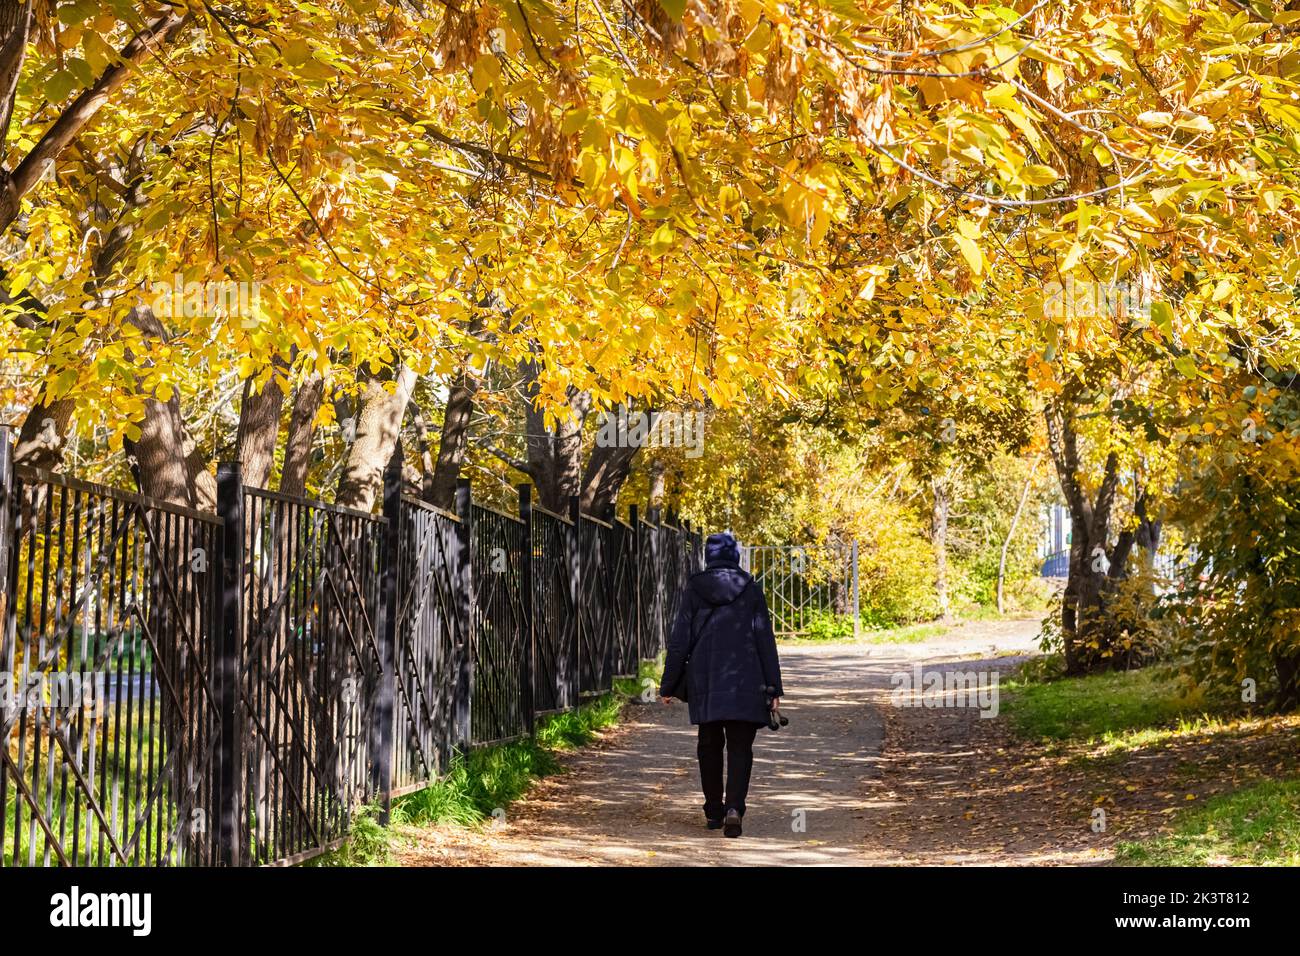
pixel 297 443
pixel 1148 532
pixel 554 456
pixel 658 471
pixel 1090 529
pixel 1011 531
pixel 939 539
pixel 454 444
pixel 424 478
pixel 259 428
pixel 1287 667
pixel 378 429
pixel 607 470
pixel 167 464
pixel 43 436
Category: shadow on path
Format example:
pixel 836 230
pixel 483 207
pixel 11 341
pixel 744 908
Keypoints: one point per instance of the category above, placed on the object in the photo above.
pixel 634 799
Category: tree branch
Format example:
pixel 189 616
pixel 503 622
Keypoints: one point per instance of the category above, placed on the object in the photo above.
pixel 79 112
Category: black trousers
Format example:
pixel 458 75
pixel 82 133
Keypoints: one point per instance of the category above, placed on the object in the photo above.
pixel 738 736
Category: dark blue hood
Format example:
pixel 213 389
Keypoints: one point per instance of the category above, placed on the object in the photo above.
pixel 721 548
pixel 720 584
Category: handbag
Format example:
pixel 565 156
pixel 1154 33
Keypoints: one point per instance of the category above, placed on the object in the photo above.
pixel 681 690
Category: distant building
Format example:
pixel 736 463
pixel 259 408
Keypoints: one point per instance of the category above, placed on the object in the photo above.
pixel 1054 546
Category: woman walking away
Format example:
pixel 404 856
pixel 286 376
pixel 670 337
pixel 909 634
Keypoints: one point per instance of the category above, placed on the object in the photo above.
pixel 722 661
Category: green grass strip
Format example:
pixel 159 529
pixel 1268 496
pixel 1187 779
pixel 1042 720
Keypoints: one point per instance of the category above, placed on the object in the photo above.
pixel 486 779
pixel 1256 826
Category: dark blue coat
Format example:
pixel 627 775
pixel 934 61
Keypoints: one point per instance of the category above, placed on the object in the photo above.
pixel 735 653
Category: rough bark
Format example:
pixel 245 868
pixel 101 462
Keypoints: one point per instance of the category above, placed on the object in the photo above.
pixel 378 429
pixel 554 456
pixel 1090 530
pixel 43 436
pixel 307 400
pixel 454 443
pixel 166 463
pixel 259 428
pixel 607 470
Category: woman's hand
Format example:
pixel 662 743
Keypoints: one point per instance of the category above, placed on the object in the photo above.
pixel 776 703
pixel 666 700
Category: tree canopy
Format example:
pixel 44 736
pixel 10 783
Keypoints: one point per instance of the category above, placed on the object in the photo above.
pixel 313 212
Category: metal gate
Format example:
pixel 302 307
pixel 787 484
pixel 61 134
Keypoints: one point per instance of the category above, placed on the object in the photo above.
pixel 804 582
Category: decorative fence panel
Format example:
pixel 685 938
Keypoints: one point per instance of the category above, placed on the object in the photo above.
pixel 429 644
pixel 622 558
pixel 656 621
pixel 185 688
pixel 597 613
pixel 666 557
pixel 803 582
pixel 310 671
pixel 555 625
pixel 500 645
pixel 109 715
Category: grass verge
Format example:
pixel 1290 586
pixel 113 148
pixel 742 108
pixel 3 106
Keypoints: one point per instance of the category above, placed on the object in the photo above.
pixel 1122 710
pixel 838 629
pixel 1256 826
pixel 908 634
pixel 485 781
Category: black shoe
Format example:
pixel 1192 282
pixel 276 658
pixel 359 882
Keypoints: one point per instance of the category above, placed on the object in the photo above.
pixel 713 824
pixel 731 824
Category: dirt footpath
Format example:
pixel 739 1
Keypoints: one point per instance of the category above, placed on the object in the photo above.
pixel 818 796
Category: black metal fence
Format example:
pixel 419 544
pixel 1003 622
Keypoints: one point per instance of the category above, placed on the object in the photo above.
pixel 181 688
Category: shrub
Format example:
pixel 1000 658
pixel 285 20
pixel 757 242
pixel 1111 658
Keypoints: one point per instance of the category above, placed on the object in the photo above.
pixel 896 580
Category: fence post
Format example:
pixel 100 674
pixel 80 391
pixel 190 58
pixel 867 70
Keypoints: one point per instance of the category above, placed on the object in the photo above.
pixel 9 520
pixel 857 606
pixel 381 720
pixel 637 584
pixel 6 527
pixel 464 597
pixel 657 575
pixel 610 566
pixel 686 553
pixel 576 591
pixel 526 602
pixel 230 508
